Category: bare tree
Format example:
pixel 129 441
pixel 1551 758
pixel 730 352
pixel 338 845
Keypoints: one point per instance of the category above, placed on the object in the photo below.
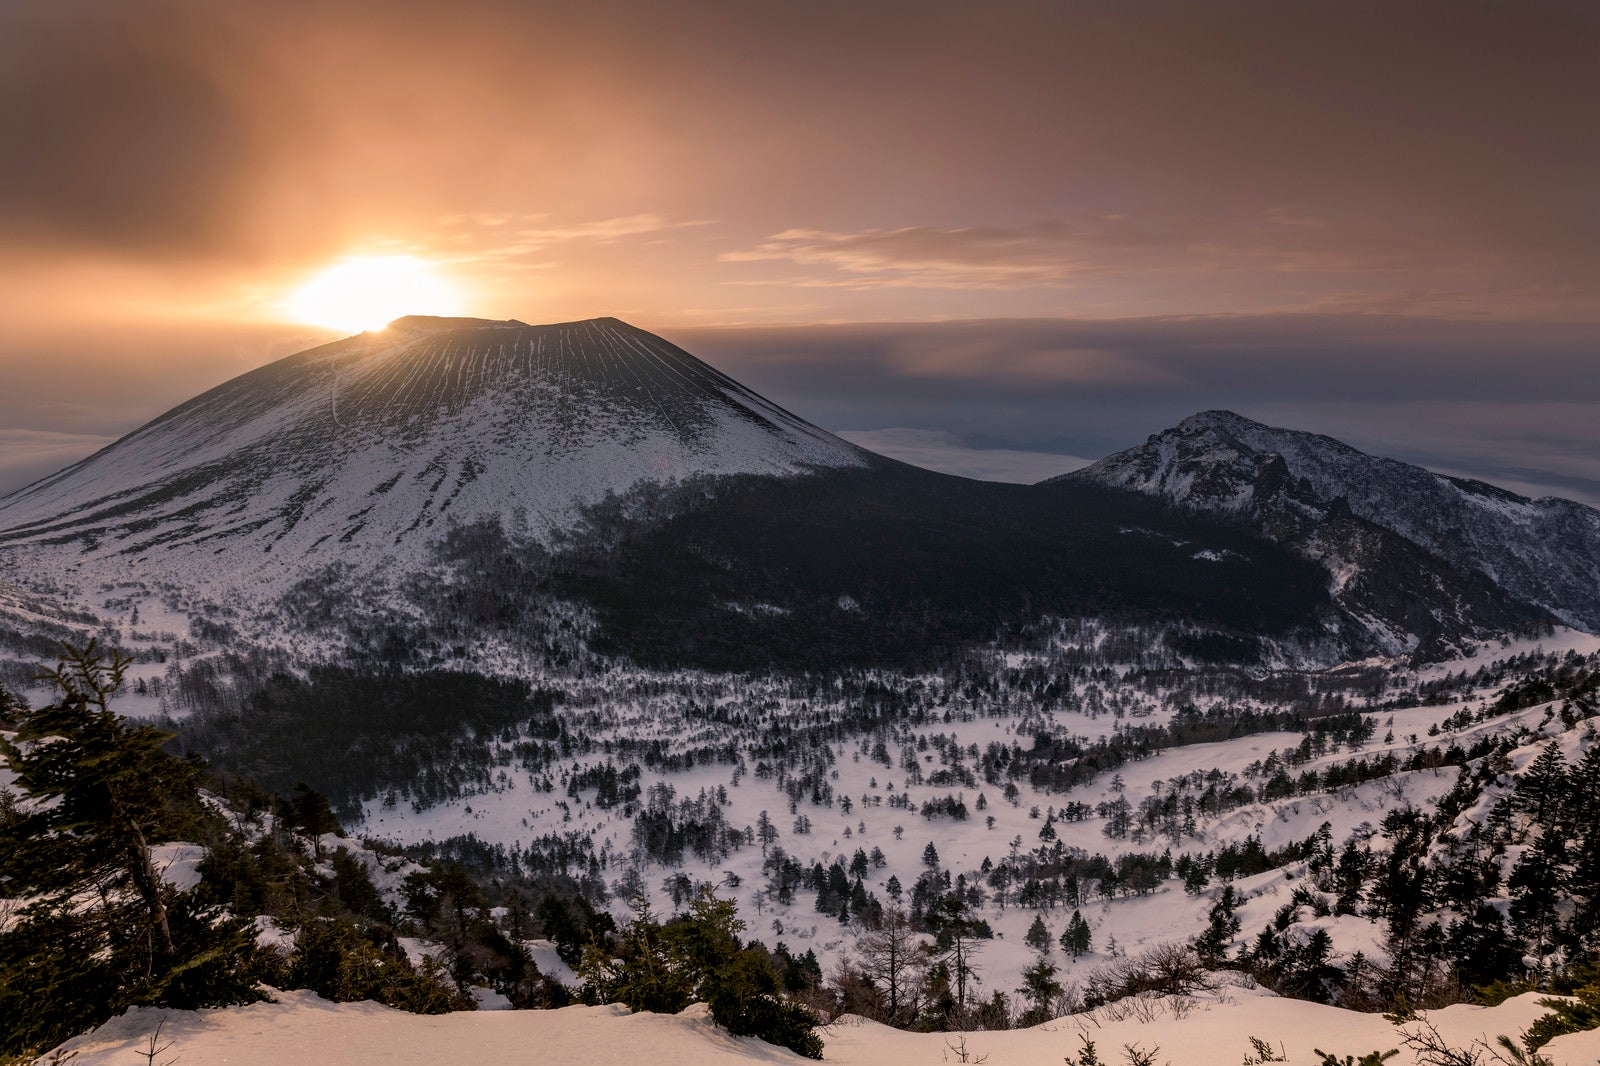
pixel 154 1046
pixel 893 958
pixel 959 1048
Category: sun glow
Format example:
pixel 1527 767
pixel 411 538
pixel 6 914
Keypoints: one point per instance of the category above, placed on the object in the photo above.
pixel 368 292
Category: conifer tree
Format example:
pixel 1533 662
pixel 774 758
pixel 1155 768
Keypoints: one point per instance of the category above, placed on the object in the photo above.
pixel 311 817
pixel 1480 947
pixel 1400 892
pixel 1212 945
pixel 1533 885
pixel 102 790
pixel 1306 969
pixel 698 957
pixel 1583 825
pixel 1040 988
pixel 1583 789
pixel 100 931
pixel 643 975
pixel 1539 788
pixel 1038 937
pixel 954 935
pixel 1075 940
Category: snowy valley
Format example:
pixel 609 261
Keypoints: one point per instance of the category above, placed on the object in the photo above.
pixel 494 635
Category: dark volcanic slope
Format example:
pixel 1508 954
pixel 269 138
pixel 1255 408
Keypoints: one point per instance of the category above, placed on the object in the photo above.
pixel 892 565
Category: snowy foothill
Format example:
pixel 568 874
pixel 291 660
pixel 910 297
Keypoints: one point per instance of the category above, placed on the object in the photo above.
pixel 302 1028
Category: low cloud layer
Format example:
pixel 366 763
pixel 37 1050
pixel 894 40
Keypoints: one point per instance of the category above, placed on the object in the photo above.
pixel 949 453
pixel 1001 399
pixel 27 455
pixel 1431 391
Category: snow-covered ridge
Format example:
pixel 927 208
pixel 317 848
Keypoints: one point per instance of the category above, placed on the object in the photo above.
pixel 1544 552
pixel 363 450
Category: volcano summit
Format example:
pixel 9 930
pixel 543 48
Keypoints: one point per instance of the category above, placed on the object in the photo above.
pixel 360 449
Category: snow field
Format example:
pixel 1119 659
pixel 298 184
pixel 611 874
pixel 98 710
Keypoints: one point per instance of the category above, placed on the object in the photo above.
pixel 518 813
pixel 302 1028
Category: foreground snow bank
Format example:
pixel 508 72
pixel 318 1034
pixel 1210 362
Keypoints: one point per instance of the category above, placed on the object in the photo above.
pixel 1202 1033
pixel 302 1028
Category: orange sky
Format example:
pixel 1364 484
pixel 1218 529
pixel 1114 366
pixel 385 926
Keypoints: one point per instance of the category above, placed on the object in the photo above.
pixel 177 167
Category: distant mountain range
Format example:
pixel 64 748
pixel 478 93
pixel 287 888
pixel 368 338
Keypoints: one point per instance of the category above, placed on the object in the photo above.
pixel 457 471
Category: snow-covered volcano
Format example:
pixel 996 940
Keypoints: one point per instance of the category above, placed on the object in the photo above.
pixel 364 449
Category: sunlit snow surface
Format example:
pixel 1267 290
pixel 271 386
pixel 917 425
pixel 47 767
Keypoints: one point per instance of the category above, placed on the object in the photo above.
pixel 301 1028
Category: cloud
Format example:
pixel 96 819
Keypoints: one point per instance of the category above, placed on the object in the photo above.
pixel 1345 357
pixel 1515 404
pixel 1048 254
pixel 155 130
pixel 949 453
pixel 886 160
pixel 1439 392
pixel 924 257
pixel 68 391
pixel 29 454
pixel 1001 166
pixel 1537 448
pixel 1011 356
pixel 495 238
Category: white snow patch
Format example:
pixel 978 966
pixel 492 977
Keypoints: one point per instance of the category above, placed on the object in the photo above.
pixel 302 1028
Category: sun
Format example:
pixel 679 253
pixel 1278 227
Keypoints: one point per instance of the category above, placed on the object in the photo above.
pixel 363 292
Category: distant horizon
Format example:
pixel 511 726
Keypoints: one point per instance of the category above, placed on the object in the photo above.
pixel 984 236
pixel 979 453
